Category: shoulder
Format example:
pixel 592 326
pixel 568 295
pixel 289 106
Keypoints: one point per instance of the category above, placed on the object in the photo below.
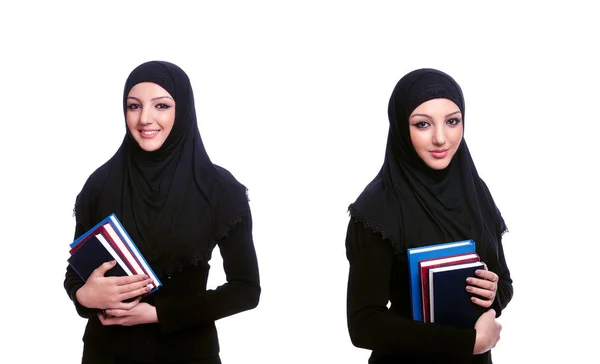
pixel 234 188
pixel 363 240
pixel 96 179
pixel 88 195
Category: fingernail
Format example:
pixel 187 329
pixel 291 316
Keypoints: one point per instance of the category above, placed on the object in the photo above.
pixel 148 289
pixel 113 262
pixel 469 288
pixel 469 280
pixel 473 299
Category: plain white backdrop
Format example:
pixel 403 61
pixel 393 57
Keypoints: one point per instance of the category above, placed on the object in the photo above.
pixel 292 98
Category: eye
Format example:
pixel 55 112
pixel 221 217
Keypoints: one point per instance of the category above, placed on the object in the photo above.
pixel 133 106
pixel 453 121
pixel 421 124
pixel 162 106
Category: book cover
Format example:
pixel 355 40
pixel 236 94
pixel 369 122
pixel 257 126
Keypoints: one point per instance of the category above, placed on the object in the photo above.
pixel 450 303
pixel 425 266
pixel 90 255
pixel 415 255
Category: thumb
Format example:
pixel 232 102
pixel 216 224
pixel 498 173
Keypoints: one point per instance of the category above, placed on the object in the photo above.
pixel 101 270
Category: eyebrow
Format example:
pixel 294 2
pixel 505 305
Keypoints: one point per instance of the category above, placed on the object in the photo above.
pixel 428 116
pixel 154 99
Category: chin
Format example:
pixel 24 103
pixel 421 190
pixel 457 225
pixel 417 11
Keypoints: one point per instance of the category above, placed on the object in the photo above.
pixel 438 165
pixel 149 147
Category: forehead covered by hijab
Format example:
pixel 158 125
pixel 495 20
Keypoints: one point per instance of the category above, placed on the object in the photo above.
pixel 418 87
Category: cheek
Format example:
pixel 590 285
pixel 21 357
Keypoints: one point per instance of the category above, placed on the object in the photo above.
pixel 419 140
pixel 456 135
pixel 166 121
pixel 131 121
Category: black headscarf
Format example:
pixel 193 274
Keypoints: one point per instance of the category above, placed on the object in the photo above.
pixel 414 205
pixel 174 202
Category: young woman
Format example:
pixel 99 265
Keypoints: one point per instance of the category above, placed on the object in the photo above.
pixel 427 192
pixel 177 206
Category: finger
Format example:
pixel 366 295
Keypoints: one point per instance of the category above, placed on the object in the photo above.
pixel 103 268
pixel 104 320
pixel 480 302
pixel 484 293
pixel 117 312
pixel 108 321
pixel 125 280
pixel 486 274
pixel 135 293
pixel 129 305
pixel 135 286
pixel 482 283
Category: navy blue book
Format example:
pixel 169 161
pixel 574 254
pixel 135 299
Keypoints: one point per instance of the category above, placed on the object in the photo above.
pixel 449 302
pixel 91 255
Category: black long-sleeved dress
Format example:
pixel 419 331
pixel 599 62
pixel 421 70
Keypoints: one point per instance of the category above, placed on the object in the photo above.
pixel 377 277
pixel 186 311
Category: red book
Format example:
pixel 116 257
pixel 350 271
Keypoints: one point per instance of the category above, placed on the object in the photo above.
pixel 424 267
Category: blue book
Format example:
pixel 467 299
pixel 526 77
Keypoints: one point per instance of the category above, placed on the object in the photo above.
pixel 93 253
pixel 126 239
pixel 415 255
pixel 450 303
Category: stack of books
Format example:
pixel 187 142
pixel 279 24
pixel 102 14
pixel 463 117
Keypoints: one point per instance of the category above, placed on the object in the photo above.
pixel 438 275
pixel 105 242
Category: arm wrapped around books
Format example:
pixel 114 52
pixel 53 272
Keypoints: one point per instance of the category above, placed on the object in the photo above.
pixel 240 293
pixel 370 323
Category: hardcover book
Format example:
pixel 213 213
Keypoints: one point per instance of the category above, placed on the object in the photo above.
pixel 450 303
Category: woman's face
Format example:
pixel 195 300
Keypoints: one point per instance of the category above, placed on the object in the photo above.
pixel 436 130
pixel 150 115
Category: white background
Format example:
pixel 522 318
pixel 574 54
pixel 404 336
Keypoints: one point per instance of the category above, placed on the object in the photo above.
pixel 292 98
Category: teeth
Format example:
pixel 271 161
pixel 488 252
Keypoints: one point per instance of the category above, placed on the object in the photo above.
pixel 149 132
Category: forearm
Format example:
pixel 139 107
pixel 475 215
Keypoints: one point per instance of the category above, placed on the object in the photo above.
pixel 504 291
pixel 240 293
pixel 178 313
pixel 373 326
pixel 72 284
pixel 378 329
pixel 504 294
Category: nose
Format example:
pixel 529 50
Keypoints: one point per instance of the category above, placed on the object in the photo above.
pixel 439 136
pixel 145 116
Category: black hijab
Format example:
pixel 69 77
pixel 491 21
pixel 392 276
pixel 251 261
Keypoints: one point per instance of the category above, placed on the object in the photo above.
pixel 174 202
pixel 413 205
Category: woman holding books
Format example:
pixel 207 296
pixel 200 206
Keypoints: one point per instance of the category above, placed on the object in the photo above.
pixel 176 205
pixel 427 192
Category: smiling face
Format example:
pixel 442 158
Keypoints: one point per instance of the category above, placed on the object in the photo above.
pixel 150 115
pixel 436 130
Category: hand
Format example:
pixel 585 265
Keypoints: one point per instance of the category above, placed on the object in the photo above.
pixel 109 292
pixel 143 313
pixel 488 332
pixel 485 287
